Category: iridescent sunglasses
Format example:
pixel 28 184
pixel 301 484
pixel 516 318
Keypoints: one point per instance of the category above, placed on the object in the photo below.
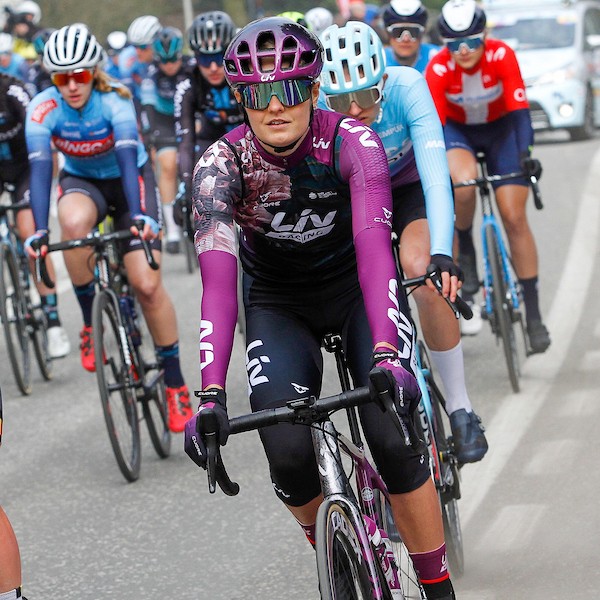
pixel 290 92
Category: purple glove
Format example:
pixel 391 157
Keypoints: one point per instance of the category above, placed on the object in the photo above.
pixel 214 401
pixel 406 391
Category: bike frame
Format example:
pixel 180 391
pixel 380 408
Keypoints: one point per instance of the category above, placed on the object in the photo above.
pixel 489 220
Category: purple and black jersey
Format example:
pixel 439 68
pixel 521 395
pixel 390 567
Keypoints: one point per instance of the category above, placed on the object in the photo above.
pixel 306 219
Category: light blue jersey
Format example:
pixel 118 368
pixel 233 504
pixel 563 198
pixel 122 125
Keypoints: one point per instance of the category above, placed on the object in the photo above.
pixel 99 141
pixel 426 52
pixel 409 126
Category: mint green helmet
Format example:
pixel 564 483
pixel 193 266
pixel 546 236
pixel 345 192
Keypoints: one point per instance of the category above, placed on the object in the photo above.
pixel 357 46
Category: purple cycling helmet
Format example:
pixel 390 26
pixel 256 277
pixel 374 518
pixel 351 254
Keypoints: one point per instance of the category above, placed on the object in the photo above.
pixel 291 52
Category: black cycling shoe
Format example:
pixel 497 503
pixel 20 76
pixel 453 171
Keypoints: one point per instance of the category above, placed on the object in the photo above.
pixel 469 440
pixel 539 338
pixel 468 264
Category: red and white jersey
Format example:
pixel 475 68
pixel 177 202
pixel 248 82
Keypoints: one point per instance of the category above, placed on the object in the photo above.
pixel 480 95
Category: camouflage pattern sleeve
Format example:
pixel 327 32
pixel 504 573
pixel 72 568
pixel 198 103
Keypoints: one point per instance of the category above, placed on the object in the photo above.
pixel 216 190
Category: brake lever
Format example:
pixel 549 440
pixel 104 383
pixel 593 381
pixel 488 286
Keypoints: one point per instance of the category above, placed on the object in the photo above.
pixel 380 382
pixel 459 306
pixel 139 225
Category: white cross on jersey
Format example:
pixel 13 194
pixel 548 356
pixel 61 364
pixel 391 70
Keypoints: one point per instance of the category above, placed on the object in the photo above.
pixel 475 98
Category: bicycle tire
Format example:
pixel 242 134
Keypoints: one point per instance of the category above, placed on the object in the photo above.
pixel 341 567
pixel 502 307
pixel 155 411
pixel 39 340
pixel 13 310
pixel 449 484
pixel 116 386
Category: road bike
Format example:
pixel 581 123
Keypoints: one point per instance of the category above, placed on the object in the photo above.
pixel 360 553
pixel 431 428
pixel 502 294
pixel 23 318
pixel 127 369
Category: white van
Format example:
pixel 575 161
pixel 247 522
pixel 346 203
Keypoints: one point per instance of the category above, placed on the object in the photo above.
pixel 557 43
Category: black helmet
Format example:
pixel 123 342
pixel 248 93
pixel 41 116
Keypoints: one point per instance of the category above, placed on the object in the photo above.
pixel 461 18
pixel 404 11
pixel 168 44
pixel 211 32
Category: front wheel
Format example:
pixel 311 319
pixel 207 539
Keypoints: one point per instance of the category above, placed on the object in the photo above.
pixel 502 307
pixel 341 566
pixel 156 414
pixel 116 384
pixel 39 338
pixel 13 313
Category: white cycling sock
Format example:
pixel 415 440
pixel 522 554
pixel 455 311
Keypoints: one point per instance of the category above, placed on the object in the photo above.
pixel 173 231
pixel 12 595
pixel 450 366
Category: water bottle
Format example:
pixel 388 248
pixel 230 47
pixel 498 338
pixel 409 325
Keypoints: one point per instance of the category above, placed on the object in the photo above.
pixel 383 547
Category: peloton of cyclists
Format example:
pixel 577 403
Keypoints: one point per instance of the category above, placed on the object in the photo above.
pixel 396 103
pixel 479 94
pixel 316 256
pixel 92 121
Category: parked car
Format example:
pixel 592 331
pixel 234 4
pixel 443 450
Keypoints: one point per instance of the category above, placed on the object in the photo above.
pixel 557 43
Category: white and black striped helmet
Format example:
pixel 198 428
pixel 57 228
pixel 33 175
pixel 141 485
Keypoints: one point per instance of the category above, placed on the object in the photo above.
pixel 71 47
pixel 143 30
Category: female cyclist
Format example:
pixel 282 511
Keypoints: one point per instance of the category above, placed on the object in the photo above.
pixel 157 93
pixel 480 97
pixel 396 103
pixel 14 171
pixel 405 23
pixel 91 120
pixel 205 107
pixel 316 256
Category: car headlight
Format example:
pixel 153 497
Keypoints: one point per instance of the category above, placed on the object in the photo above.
pixel 554 77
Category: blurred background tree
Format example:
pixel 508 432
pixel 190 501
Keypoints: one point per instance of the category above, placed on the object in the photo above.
pixel 104 16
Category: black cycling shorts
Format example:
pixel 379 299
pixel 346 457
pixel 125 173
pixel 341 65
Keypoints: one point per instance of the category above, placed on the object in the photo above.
pixel 409 205
pixel 109 197
pixel 284 361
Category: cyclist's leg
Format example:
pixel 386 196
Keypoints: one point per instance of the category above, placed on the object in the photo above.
pixel 511 198
pixel 80 207
pixel 156 304
pixel 442 336
pixel 284 362
pixel 58 342
pixel 405 470
pixel 166 162
pixel 10 573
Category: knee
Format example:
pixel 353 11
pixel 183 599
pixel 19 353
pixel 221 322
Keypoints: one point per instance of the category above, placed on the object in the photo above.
pixel 149 291
pixel 72 226
pixel 414 264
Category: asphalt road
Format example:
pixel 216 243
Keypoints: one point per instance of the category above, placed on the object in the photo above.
pixel 529 509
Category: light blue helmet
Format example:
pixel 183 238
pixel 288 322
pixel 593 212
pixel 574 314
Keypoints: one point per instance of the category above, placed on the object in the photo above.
pixel 358 46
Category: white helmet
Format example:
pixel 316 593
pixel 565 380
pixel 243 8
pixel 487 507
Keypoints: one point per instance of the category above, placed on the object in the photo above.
pixel 318 19
pixel 116 41
pixel 143 30
pixel 71 47
pixel 6 42
pixel 29 8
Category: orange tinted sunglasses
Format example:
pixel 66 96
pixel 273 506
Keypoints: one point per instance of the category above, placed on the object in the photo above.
pixel 79 76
